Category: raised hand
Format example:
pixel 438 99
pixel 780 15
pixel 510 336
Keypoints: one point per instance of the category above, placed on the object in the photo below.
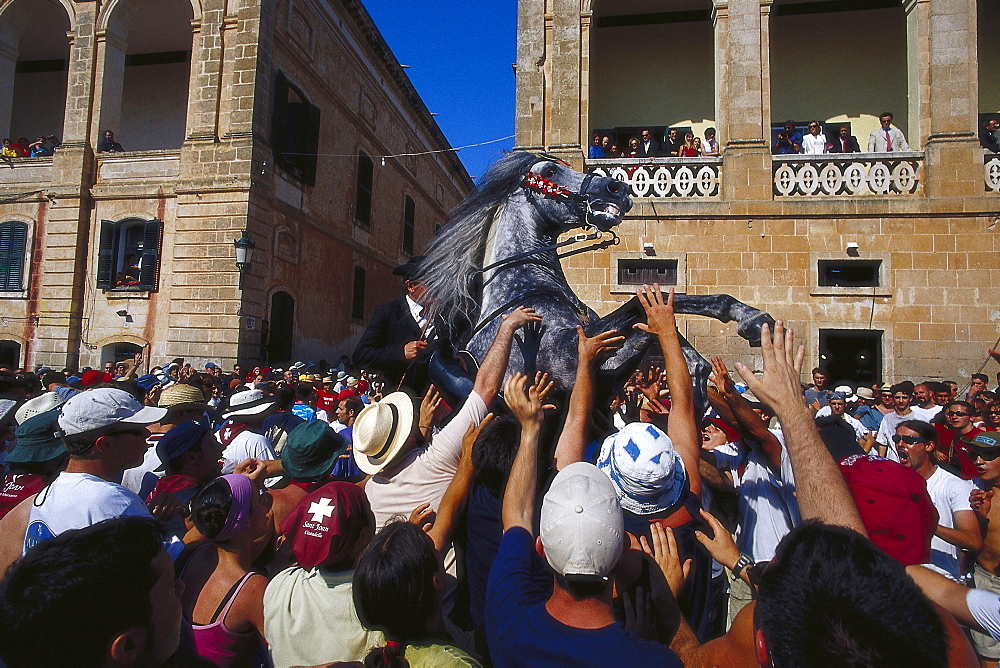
pixel 423 517
pixel 527 406
pixel 720 376
pixel 780 385
pixel 981 501
pixel 590 348
pixel 666 555
pixel 659 314
pixel 520 317
pixel 428 408
pixel 472 433
pixel 722 547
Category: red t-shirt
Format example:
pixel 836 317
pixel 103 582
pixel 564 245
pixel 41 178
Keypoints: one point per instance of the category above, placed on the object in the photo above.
pixel 17 488
pixel 326 401
pixel 961 457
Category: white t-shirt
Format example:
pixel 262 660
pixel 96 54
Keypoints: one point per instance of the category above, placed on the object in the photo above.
pixel 949 494
pixel 76 501
pixel 766 503
pixel 426 472
pixel 888 428
pixel 985 608
pixel 245 445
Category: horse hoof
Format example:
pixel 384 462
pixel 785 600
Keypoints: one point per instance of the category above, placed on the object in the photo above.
pixel 750 329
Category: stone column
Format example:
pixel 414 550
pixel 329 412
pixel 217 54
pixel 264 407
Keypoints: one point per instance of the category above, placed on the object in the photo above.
pixel 562 130
pixel 947 93
pixel 109 82
pixel 206 73
pixel 529 74
pixel 743 97
pixel 8 65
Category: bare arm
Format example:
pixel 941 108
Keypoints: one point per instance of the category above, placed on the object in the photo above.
pixel 947 593
pixel 494 365
pixel 453 501
pixel 966 533
pixel 573 438
pixel 820 488
pixel 748 421
pixel 518 507
pixel 682 428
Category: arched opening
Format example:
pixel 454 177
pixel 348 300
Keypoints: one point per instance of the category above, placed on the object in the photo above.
pixel 146 73
pixel 989 55
pixel 282 325
pixel 34 57
pixel 814 76
pixel 652 66
pixel 119 352
pixel 10 354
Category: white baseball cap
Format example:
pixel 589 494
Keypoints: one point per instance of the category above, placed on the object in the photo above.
pixel 97 409
pixel 43 403
pixel 581 527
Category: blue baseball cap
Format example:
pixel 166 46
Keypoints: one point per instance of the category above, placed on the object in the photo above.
pixel 179 440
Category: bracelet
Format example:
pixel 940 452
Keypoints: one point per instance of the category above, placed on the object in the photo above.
pixel 423 426
pixel 743 562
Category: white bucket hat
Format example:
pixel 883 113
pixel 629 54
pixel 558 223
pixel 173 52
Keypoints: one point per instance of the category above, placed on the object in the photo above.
pixel 381 430
pixel 43 403
pixel 249 403
pixel 582 527
pixel 847 392
pixel 646 471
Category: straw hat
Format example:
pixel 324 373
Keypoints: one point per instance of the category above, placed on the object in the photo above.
pixel 181 396
pixel 380 431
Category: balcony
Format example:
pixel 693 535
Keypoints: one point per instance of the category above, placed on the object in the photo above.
pixel 847 174
pixel 25 173
pixel 138 165
pixel 991 172
pixel 663 177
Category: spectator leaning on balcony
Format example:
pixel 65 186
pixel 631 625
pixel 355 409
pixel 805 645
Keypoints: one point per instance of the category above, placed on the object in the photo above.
pixel 844 142
pixel 688 149
pixel 710 146
pixel 649 146
pixel 108 144
pixel 814 143
pixel 673 146
pixel 8 150
pixel 784 145
pixel 887 138
pixel 595 148
pixel 988 135
pixel 794 137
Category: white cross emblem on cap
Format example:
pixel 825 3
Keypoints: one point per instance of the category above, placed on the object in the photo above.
pixel 321 509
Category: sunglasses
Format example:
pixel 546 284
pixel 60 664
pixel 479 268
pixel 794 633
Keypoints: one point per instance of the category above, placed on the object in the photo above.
pixel 986 457
pixel 813 126
pixel 909 440
pixel 956 414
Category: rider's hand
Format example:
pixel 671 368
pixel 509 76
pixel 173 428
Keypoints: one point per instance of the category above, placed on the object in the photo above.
pixel 413 348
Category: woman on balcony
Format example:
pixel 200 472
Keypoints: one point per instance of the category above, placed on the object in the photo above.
pixel 688 149
pixel 814 143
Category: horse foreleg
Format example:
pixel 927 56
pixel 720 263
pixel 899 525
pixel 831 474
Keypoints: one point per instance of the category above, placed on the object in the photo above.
pixel 725 308
pixel 699 368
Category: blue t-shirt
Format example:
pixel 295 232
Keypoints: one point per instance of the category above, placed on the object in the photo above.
pixel 521 632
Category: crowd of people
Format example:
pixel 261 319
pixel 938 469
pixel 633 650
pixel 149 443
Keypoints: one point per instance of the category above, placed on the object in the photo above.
pixel 313 516
pixel 647 145
pixel 22 147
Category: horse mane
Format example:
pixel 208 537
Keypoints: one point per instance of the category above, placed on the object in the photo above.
pixel 455 255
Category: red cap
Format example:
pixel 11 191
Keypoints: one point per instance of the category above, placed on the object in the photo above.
pixel 327 524
pixel 93 377
pixel 730 432
pixel 894 506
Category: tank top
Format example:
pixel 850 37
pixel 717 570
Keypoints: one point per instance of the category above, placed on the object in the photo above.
pixel 216 643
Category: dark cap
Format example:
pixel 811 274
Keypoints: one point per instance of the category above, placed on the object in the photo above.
pixel 410 270
pixel 179 440
pixel 311 450
pixel 986 443
pixel 326 526
pixel 36 440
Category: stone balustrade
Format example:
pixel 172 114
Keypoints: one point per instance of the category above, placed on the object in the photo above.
pixel 138 165
pixel 847 174
pixel 662 177
pixel 991 172
pixel 25 173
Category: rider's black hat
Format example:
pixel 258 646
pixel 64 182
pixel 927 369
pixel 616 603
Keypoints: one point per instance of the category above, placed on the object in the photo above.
pixel 410 270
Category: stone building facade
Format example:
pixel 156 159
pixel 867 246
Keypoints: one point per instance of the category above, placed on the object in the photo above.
pixel 289 120
pixel 886 264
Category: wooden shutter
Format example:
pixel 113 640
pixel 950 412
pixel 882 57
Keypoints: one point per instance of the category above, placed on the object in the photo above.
pixel 13 245
pixel 106 255
pixel 150 255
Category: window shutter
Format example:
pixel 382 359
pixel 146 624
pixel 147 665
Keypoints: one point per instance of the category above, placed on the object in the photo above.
pixel 13 244
pixel 310 146
pixel 106 255
pixel 150 255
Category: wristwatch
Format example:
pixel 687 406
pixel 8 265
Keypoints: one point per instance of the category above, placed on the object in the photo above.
pixel 743 562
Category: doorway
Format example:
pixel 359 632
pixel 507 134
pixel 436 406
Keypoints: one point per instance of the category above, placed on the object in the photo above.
pixel 282 321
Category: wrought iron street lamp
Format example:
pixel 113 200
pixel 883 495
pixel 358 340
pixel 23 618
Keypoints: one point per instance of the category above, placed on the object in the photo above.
pixel 244 255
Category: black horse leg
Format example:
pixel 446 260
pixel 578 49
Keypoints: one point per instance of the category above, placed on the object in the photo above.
pixel 725 308
pixel 699 368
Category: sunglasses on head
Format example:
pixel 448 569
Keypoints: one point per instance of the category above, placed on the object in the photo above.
pixel 909 440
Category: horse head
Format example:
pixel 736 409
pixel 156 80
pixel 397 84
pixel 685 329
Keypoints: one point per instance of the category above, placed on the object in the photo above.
pixel 565 198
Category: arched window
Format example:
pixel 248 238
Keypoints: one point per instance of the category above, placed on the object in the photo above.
pixel 409 214
pixel 363 196
pixel 13 248
pixel 10 354
pixel 358 294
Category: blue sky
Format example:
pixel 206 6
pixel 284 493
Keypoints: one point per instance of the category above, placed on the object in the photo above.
pixel 460 55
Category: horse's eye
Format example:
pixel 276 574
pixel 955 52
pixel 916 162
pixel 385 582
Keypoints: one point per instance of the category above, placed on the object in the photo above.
pixel 549 171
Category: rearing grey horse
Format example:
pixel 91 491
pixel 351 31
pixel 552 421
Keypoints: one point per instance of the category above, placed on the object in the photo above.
pixel 498 252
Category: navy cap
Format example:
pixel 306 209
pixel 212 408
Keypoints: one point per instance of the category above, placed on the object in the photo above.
pixel 179 440
pixel 147 382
